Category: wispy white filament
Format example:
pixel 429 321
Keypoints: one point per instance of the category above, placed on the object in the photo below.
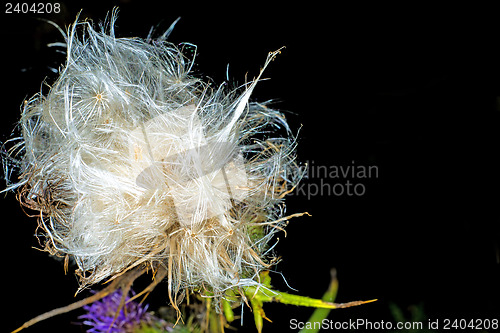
pixel 132 161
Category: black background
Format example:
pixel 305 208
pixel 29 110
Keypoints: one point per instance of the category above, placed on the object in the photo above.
pixel 412 90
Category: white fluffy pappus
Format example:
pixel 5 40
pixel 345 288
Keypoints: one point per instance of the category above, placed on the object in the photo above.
pixel 136 165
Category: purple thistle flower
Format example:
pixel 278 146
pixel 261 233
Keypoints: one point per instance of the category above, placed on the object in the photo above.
pixel 101 315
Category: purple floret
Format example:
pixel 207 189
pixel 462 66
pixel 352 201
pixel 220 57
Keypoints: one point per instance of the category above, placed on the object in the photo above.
pixel 100 315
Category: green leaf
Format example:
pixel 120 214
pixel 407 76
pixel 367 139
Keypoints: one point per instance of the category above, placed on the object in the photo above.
pixel 320 314
pixel 228 311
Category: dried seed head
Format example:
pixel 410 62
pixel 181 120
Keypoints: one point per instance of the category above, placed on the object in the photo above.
pixel 134 162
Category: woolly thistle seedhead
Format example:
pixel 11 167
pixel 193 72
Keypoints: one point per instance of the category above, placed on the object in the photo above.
pixel 134 163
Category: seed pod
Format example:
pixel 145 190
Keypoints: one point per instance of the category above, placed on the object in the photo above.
pixel 133 162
